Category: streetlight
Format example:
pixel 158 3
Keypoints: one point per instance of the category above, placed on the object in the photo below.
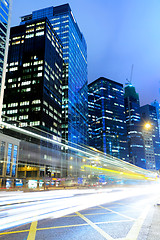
pixel 147 126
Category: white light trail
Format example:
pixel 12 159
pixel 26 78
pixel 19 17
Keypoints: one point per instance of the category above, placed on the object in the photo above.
pixel 54 204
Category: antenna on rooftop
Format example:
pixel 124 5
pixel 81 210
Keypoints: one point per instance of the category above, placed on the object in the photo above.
pixel 129 81
pixel 131 75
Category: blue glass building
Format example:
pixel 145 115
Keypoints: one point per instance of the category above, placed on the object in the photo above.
pixel 5 6
pixel 74 78
pixel 149 115
pixel 135 141
pixel 156 104
pixel 106 117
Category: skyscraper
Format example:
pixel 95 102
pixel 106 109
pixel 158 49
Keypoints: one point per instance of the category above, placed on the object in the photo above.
pixel 156 104
pixel 106 117
pixel 5 6
pixel 149 115
pixel 33 93
pixel 74 78
pixel 134 132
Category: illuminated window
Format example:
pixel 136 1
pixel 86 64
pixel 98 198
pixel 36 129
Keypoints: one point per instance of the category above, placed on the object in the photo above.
pixel 25 83
pixel 36 123
pixel 23 124
pixel 40 68
pixel 36 109
pixel 26 64
pixel 39 74
pixel 36 101
pixel 45 103
pixel 39 28
pixel 30 25
pixel 15 38
pixel 26 90
pixel 38 62
pixel 30 30
pixel 40 23
pixel 12 111
pixel 24 103
pixel 40 33
pixel 13 69
pixel 12 104
pixel 23 117
pixel 15 43
pixel 29 35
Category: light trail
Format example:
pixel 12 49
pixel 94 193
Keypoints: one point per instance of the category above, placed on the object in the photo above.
pixel 113 163
pixel 54 204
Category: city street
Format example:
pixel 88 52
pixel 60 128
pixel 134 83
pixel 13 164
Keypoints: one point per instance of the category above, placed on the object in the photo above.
pixel 114 213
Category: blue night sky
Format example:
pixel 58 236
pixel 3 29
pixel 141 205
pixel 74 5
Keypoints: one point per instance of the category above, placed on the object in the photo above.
pixel 118 33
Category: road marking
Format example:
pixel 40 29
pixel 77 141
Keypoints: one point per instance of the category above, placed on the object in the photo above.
pixel 118 213
pixel 134 232
pixel 5 233
pixel 66 226
pixel 104 234
pixel 84 214
pixel 94 214
pixel 69 216
pixel 138 208
pixel 32 231
pixel 120 221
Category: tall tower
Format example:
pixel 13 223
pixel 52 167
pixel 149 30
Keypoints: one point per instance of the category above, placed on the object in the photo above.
pixel 134 133
pixel 74 77
pixel 106 117
pixel 33 81
pixel 156 104
pixel 5 8
pixel 149 115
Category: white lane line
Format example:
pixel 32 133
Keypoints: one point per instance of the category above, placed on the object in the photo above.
pixel 122 215
pixel 134 232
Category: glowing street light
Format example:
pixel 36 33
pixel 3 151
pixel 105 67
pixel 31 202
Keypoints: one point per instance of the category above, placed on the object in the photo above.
pixel 147 126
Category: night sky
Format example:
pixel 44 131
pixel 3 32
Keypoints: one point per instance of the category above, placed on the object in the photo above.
pixel 119 34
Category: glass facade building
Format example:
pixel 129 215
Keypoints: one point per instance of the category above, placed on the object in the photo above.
pixel 33 91
pixel 149 115
pixel 134 130
pixel 74 77
pixel 106 117
pixel 5 6
pixel 156 104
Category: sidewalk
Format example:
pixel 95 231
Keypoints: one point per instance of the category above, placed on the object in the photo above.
pixel 154 231
pixel 151 227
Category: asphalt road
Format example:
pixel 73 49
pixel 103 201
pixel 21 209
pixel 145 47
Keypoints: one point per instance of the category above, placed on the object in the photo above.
pixel 118 213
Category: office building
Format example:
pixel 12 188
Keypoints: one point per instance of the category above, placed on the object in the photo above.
pixel 106 117
pixel 156 104
pixel 9 154
pixel 33 91
pixel 5 7
pixel 74 77
pixel 134 132
pixel 151 136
